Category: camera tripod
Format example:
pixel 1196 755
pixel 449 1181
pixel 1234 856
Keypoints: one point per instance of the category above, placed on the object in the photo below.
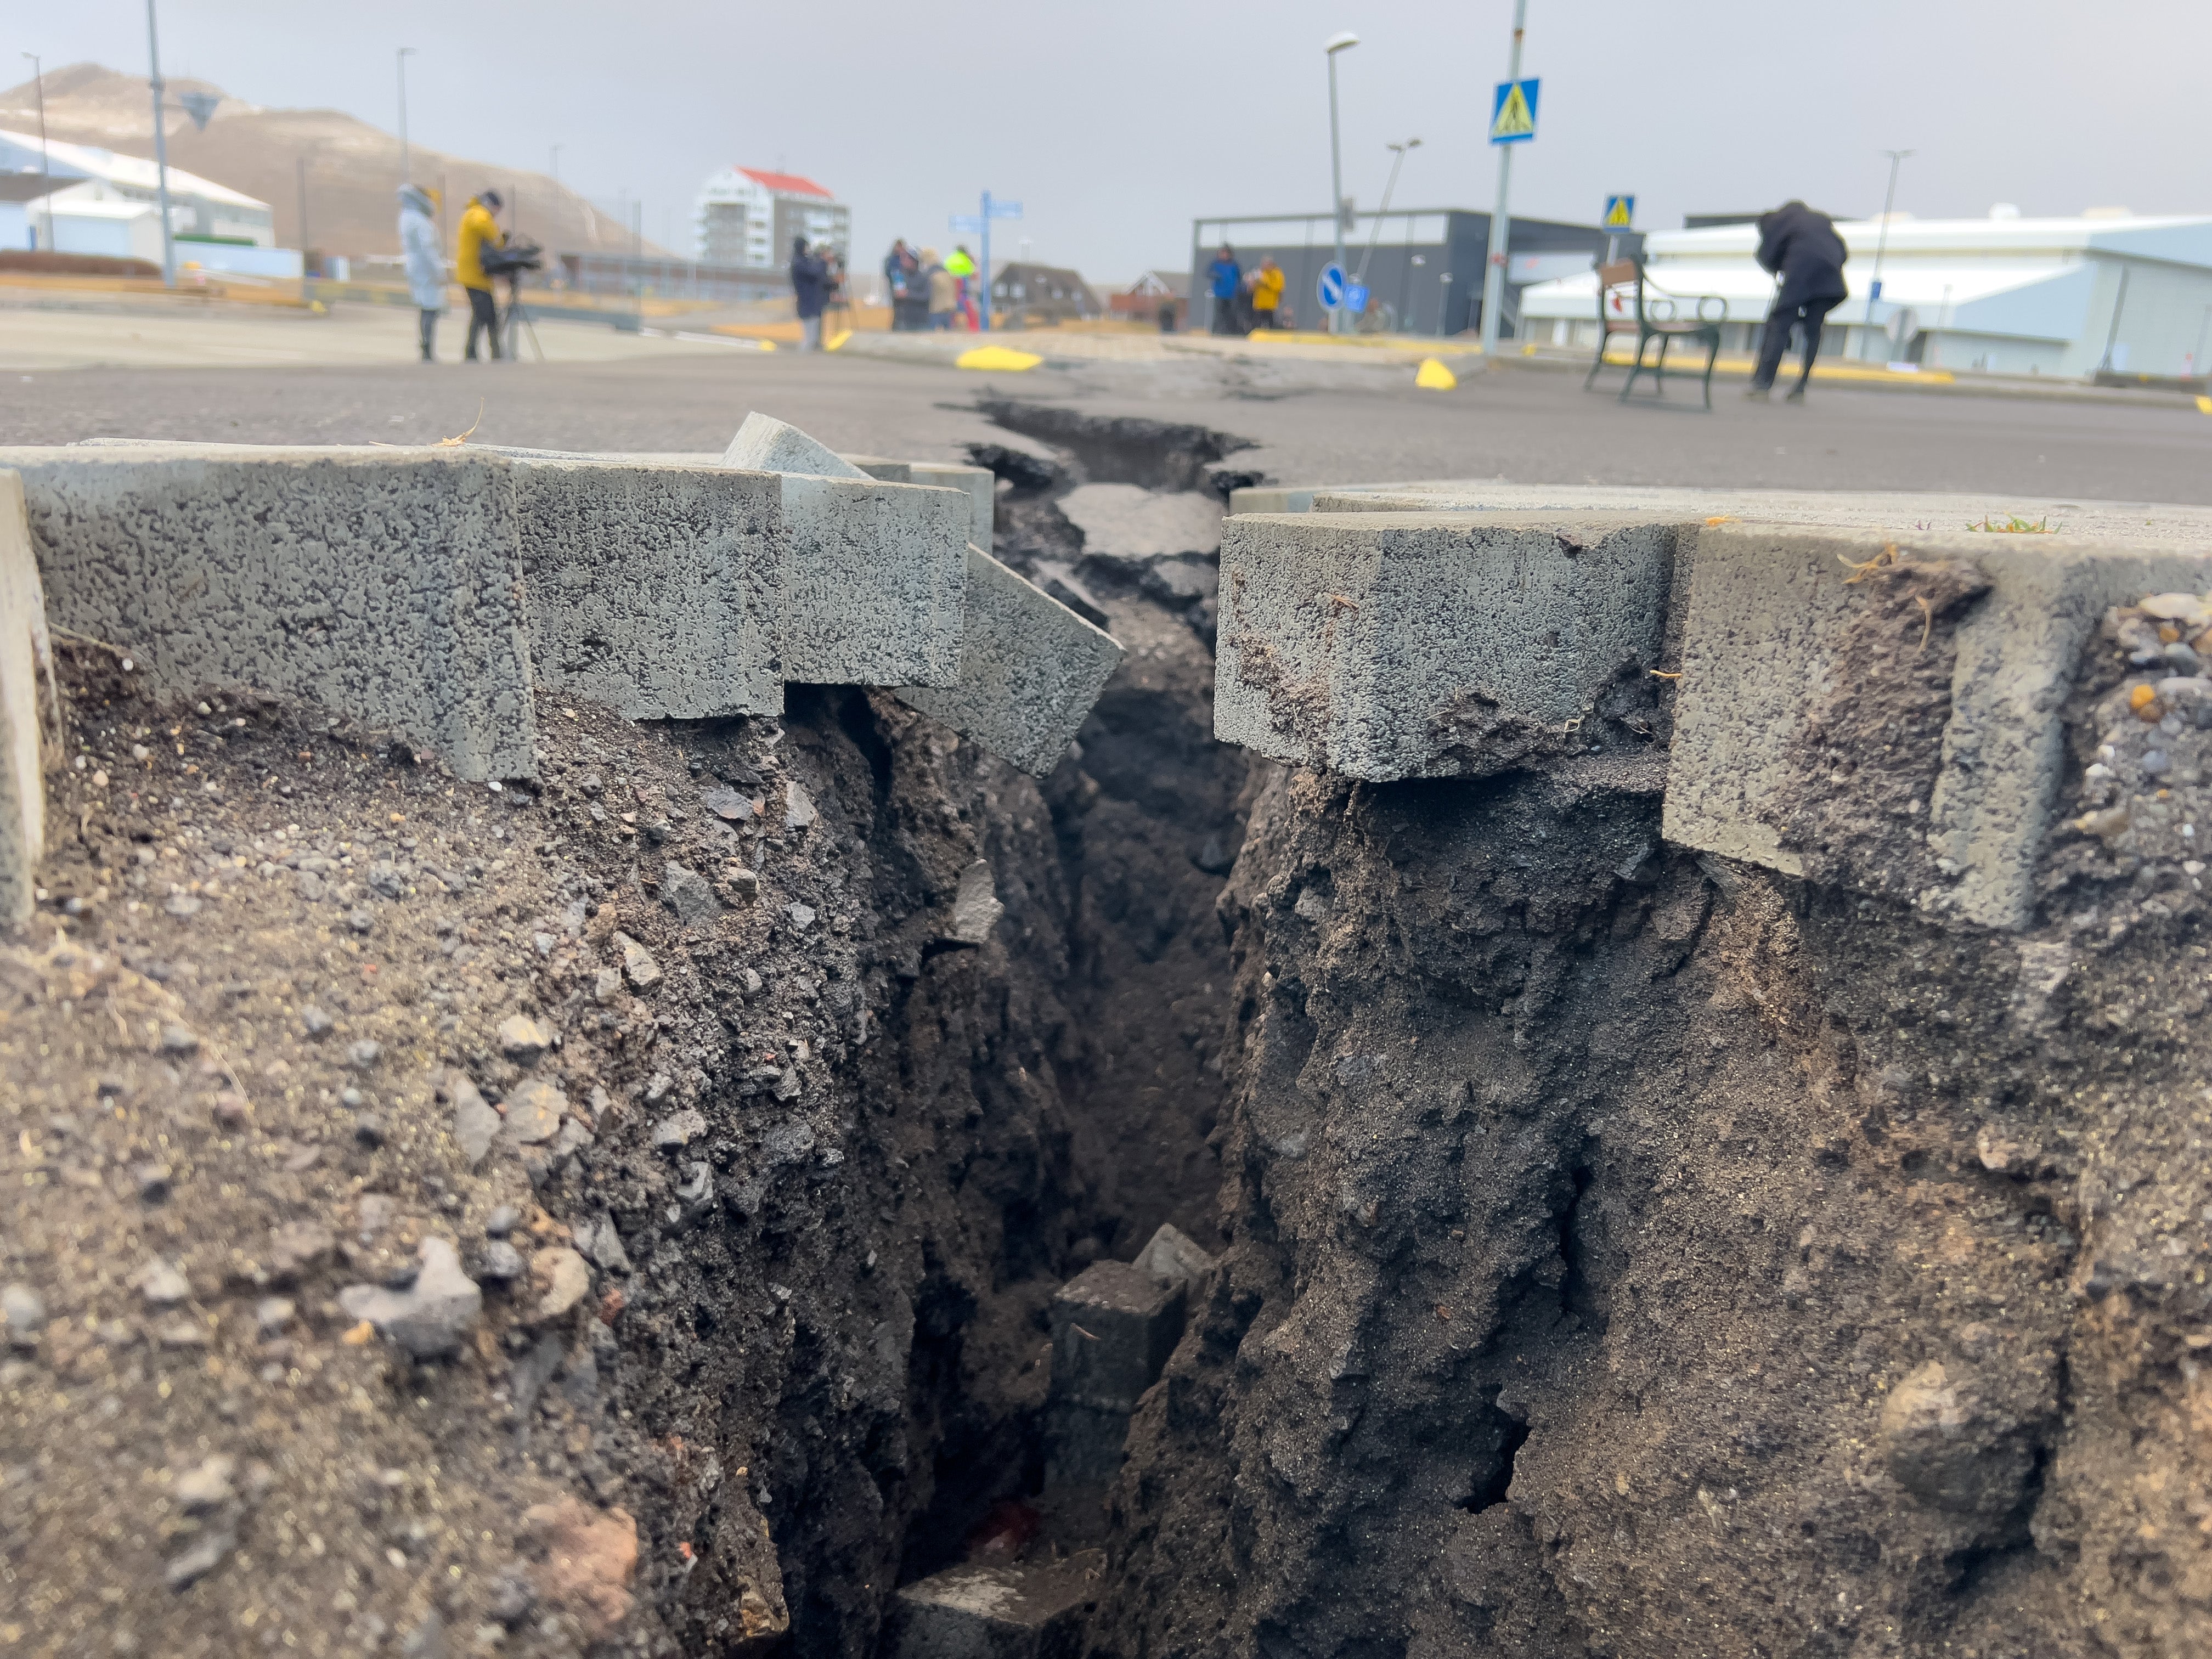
pixel 517 320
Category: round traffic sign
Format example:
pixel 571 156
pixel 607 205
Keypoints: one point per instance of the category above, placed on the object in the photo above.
pixel 1331 287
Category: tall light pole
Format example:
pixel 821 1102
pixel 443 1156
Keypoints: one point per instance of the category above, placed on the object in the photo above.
pixel 160 149
pixel 1501 220
pixel 406 157
pixel 1335 43
pixel 45 168
pixel 1881 237
pixel 1375 231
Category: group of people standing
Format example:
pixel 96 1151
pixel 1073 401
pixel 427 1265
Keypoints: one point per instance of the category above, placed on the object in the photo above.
pixel 426 265
pixel 927 291
pixel 1243 300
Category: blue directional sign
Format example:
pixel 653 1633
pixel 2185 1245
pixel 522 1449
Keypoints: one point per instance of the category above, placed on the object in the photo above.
pixel 967 224
pixel 1331 287
pixel 1355 296
pixel 1513 115
pixel 1005 209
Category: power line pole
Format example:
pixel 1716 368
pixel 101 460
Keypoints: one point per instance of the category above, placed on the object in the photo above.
pixel 161 151
pixel 1881 237
pixel 407 156
pixel 1336 44
pixel 45 168
pixel 1501 220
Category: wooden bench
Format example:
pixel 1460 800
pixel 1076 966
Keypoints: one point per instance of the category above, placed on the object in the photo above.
pixel 1630 302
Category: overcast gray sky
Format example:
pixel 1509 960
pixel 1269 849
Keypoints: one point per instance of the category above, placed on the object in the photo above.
pixel 1117 124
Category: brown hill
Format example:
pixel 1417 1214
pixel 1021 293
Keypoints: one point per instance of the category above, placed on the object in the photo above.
pixel 349 168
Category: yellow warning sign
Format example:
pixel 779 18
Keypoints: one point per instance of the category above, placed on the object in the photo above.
pixel 1513 116
pixel 1619 212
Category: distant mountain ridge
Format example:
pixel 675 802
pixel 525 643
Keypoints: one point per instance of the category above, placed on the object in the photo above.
pixel 352 168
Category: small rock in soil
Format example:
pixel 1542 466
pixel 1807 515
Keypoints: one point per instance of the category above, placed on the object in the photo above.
pixel 272 1313
pixel 501 1263
pixel 523 1040
pixel 201 1559
pixel 687 892
pixel 561 1278
pixel 368 1130
pixel 180 1040
pixel 589 1559
pixel 798 808
pixel 534 1112
pixel 25 1312
pixel 512 1595
pixel 162 1285
pixel 314 1022
pixel 638 965
pixel 430 1317
pixel 606 986
pixel 475 1123
pixel 359 920
pixel 603 1244
pixel 152 1180
pixel 501 1221
pixel 364 1055
pixel 297 1248
pixel 975 907
pixel 207 1487
pixel 678 1129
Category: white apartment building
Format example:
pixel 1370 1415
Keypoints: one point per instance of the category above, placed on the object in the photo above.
pixel 748 217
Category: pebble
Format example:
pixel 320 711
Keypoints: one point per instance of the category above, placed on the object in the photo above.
pixel 162 1285
pixel 2155 763
pixel 183 906
pixel 741 883
pixel 562 1278
pixel 230 1109
pixel 207 1487
pixel 501 1263
pixel 726 802
pixel 310 886
pixel 363 1054
pixel 476 1125
pixel 638 965
pixel 25 1312
pixel 430 1318
pixel 512 1595
pixel 600 1241
pixel 201 1559
pixel 534 1112
pixel 297 1248
pixel 798 808
pixel 368 1129
pixel 501 1221
pixel 802 916
pixel 678 1129
pixel 314 1022
pixel 606 985
pixel 689 894
pixel 523 1040
pixel 179 1332
pixel 658 1088
pixel 272 1313
pixel 384 880
pixel 359 920
pixel 153 1182
pixel 180 1040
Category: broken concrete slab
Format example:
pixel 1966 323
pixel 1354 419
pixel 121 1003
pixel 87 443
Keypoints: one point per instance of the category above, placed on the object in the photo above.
pixel 1029 669
pixel 654 589
pixel 875 581
pixel 764 444
pixel 1786 630
pixel 383 584
pixel 1131 527
pixel 25 688
pixel 987 1611
pixel 1113 1329
pixel 979 483
pixel 1386 646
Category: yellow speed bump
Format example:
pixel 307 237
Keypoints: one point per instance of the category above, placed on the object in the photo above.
pixel 1433 376
pixel 2204 405
pixel 1002 358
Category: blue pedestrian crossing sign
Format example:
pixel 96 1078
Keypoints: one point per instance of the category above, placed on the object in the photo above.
pixel 1513 116
pixel 1331 287
pixel 1619 212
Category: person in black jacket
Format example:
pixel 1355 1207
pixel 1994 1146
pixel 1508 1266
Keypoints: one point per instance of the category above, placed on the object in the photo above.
pixel 810 283
pixel 1798 245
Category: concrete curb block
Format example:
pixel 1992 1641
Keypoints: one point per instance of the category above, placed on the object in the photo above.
pixel 874 579
pixel 1030 670
pixel 26 666
pixel 980 484
pixel 764 444
pixel 385 584
pixel 1384 646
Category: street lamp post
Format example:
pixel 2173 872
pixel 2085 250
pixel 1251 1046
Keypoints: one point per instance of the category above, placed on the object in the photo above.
pixel 1374 230
pixel 1501 220
pixel 406 157
pixel 1335 43
pixel 1881 237
pixel 46 167
pixel 161 151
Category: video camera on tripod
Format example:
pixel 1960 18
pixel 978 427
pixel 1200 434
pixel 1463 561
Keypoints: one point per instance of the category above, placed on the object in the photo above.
pixel 510 259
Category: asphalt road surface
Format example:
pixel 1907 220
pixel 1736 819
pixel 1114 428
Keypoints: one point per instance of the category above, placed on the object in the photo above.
pixel 1524 424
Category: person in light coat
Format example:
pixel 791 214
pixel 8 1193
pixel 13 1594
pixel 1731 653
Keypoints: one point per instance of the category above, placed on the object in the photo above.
pixel 425 269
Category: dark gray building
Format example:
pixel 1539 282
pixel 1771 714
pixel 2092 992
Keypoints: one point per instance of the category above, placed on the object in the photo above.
pixel 1423 265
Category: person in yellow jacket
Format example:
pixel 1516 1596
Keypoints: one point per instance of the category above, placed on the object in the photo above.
pixel 1266 292
pixel 477 227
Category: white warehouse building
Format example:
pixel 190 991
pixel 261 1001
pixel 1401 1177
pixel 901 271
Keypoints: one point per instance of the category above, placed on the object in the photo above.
pixel 748 217
pixel 109 204
pixel 2005 294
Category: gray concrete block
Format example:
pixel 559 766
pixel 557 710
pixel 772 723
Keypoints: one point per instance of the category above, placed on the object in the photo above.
pixel 978 1611
pixel 875 582
pixel 1083 1445
pixel 979 483
pixel 1386 646
pixel 384 585
pixel 1113 1329
pixel 764 444
pixel 26 689
pixel 655 591
pixel 1776 640
pixel 1029 669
